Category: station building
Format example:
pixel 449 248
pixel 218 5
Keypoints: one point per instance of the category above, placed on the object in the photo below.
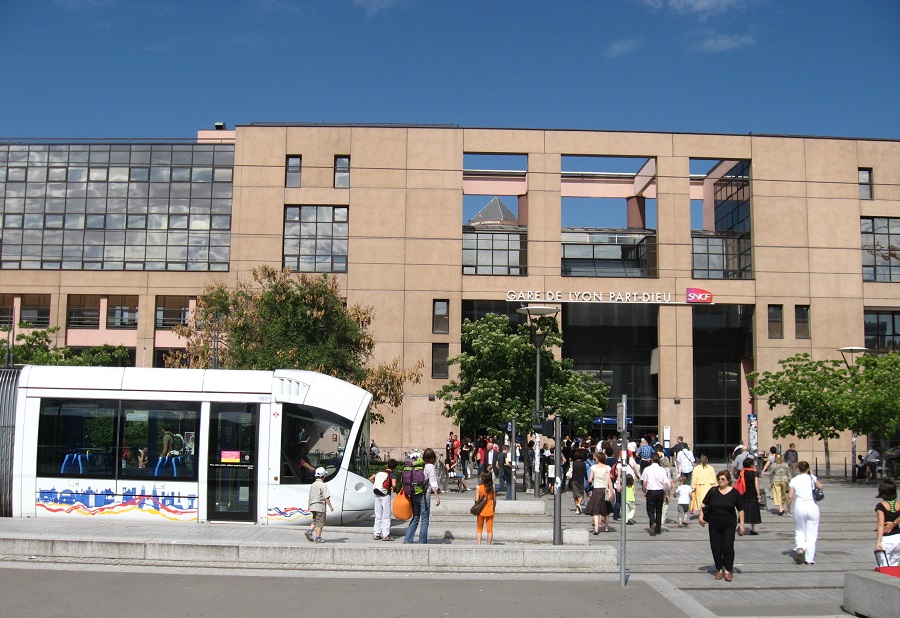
pixel 679 262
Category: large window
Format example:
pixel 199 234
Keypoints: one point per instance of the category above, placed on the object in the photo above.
pixel 880 248
pixel 882 330
pixel 725 252
pixel 172 311
pixel 776 321
pixel 112 439
pixel 494 253
pixel 83 311
pixel 35 310
pixel 315 238
pixel 116 206
pixel 310 438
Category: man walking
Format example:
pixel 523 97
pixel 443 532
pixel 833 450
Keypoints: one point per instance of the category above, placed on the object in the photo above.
pixel 685 462
pixel 644 455
pixel 656 483
pixel 790 458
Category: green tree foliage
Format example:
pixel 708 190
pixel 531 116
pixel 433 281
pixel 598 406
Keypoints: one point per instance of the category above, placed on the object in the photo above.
pixel 284 321
pixel 877 394
pixel 819 395
pixel 35 347
pixel 496 381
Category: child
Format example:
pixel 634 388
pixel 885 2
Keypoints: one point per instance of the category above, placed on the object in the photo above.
pixel 683 491
pixel 383 482
pixel 319 497
pixel 629 498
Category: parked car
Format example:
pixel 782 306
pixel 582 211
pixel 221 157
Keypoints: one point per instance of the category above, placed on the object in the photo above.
pixel 890 460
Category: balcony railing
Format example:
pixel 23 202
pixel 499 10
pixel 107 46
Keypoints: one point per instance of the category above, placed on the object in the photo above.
pixel 609 253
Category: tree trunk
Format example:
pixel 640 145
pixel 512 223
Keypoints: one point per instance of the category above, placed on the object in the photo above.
pixel 827 459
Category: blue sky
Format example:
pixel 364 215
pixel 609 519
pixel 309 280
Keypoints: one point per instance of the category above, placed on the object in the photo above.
pixel 164 68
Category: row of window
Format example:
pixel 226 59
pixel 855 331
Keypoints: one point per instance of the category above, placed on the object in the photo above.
pixel 294 167
pixel 119 175
pixel 83 310
pixel 801 322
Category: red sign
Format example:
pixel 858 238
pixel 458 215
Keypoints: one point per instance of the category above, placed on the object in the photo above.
pixel 698 295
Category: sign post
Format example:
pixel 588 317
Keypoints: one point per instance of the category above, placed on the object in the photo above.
pixel 622 426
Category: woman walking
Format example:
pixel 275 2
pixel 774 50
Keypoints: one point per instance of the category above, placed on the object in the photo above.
pixel 486 517
pixel 887 534
pixel 781 476
pixel 723 510
pixel 598 505
pixel 806 513
pixel 702 480
pixel 579 472
pixel 752 495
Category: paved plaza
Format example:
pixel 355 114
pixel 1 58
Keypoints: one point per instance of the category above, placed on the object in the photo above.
pixel 676 565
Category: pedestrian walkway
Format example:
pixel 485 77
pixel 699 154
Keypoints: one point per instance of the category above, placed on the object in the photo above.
pixel 677 563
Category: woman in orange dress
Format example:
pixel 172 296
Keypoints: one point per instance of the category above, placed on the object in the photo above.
pixel 486 487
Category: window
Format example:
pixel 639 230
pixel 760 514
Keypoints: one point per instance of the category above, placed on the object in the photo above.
pixel 315 238
pixel 440 317
pixel 776 322
pixel 439 367
pixel 35 310
pixel 122 312
pixel 292 172
pixel 494 253
pixel 83 311
pixel 171 311
pixel 865 183
pixel 310 438
pixel 127 439
pixel 880 248
pixel 725 252
pixel 801 321
pixel 882 331
pixel 341 172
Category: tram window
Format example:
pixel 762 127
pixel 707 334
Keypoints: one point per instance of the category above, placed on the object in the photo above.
pixel 159 439
pixel 76 438
pixel 310 438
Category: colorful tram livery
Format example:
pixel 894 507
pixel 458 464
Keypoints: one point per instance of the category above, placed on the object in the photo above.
pixel 181 444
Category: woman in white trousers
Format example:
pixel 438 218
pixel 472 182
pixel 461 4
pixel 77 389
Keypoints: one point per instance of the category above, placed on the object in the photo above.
pixel 806 513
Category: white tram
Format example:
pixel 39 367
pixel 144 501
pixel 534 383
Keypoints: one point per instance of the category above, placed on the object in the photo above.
pixel 181 444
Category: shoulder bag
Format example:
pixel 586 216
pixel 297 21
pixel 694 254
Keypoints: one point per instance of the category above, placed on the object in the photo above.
pixel 479 504
pixel 817 493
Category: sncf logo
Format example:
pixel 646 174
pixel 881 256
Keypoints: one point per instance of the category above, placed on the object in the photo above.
pixel 697 295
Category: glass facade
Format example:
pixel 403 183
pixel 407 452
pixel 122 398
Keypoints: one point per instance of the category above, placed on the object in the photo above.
pixel 616 342
pixel 608 254
pixel 880 248
pixel 315 238
pixel 723 336
pixel 882 331
pixel 726 253
pixel 122 206
pixel 494 253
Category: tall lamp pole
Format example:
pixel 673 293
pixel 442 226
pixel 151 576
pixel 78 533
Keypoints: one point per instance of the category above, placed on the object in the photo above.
pixel 534 313
pixel 852 351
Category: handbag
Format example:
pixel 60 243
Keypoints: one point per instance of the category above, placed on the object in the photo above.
pixel 479 505
pixel 401 506
pixel 817 493
pixel 740 485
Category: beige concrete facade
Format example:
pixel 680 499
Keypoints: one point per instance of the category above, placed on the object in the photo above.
pixel 405 201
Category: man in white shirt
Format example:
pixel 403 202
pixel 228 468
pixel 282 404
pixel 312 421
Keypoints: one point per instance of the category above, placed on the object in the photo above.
pixel 656 484
pixel 684 461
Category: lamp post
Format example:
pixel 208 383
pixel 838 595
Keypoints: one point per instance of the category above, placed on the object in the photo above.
pixel 534 314
pixel 852 351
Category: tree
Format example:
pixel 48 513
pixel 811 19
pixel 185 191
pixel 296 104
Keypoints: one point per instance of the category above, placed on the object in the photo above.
pixel 819 395
pixel 283 321
pixel 496 381
pixel 35 347
pixel 877 394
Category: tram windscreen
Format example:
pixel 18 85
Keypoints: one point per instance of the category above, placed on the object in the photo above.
pixel 311 438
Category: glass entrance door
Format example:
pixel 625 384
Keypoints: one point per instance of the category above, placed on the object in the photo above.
pixel 233 440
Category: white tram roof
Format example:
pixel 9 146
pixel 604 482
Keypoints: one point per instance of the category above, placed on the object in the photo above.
pixel 288 385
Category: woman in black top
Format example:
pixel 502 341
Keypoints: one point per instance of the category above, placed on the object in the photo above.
pixel 719 508
pixel 887 534
pixel 752 496
pixel 579 472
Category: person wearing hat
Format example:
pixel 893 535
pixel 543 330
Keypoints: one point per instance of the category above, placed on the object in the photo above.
pixel 319 498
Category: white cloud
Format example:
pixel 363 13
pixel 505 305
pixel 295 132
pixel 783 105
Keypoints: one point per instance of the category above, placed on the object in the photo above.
pixel 373 7
pixel 620 48
pixel 700 8
pixel 717 43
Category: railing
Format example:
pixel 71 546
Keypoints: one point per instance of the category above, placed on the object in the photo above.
pixel 83 318
pixel 609 253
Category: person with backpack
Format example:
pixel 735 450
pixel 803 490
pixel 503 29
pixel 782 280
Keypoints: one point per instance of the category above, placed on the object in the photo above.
pixel 419 482
pixel 383 482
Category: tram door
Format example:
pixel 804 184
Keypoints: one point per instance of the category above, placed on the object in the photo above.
pixel 233 445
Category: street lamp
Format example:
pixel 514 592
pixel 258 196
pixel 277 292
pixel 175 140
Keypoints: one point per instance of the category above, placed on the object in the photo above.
pixel 534 314
pixel 852 351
